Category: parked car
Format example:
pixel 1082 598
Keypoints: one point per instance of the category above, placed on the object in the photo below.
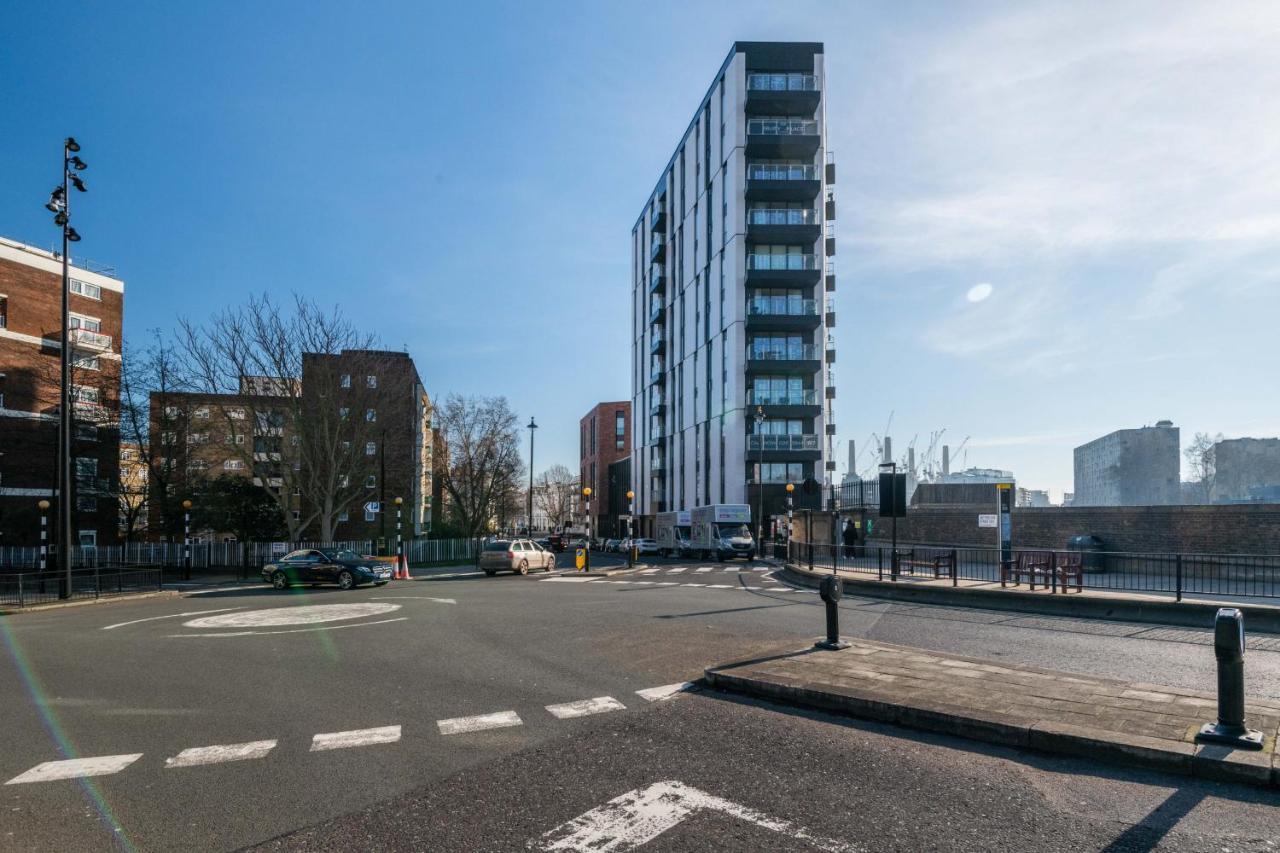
pixel 316 566
pixel 556 542
pixel 646 546
pixel 515 555
pixel 610 545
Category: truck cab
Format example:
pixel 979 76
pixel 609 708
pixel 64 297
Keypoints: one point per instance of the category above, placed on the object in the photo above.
pixel 673 531
pixel 722 531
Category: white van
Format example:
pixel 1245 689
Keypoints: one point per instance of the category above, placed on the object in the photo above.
pixel 722 531
pixel 673 533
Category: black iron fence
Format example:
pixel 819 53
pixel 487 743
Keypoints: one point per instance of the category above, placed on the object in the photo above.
pixel 29 588
pixel 1228 575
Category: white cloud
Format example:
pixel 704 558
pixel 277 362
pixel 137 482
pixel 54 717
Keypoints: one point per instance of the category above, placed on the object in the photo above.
pixel 979 292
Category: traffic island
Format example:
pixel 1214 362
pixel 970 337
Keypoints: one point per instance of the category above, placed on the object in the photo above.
pixel 1125 723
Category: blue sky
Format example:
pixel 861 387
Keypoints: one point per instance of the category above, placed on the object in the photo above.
pixel 464 178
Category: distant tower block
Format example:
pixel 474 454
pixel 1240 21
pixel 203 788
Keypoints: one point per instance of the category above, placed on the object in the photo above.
pixel 888 449
pixel 853 458
pixel 911 460
pixel 946 460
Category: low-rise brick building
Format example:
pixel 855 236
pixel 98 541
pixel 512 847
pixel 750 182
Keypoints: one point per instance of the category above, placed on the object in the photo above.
pixel 604 438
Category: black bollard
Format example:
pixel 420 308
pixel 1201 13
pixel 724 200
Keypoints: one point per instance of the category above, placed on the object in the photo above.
pixel 830 589
pixel 1228 647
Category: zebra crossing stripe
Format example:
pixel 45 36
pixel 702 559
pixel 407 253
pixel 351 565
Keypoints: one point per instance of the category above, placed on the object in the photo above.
pixel 585 707
pixel 75 768
pixel 218 754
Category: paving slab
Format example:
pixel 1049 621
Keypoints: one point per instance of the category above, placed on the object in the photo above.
pixel 1130 723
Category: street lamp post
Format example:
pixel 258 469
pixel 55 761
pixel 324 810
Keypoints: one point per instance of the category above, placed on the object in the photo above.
pixel 400 563
pixel 44 535
pixel 631 528
pixel 586 551
pixel 791 487
pixel 60 205
pixel 186 538
pixel 760 482
pixel 529 498
pixel 893 509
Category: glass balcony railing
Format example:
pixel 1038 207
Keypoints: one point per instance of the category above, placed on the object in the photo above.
pixel 782 126
pixel 771 479
pixel 782 172
pixel 782 442
pixel 781 216
pixel 89 340
pixel 765 306
pixel 804 397
pixel 782 83
pixel 793 261
pixel 794 352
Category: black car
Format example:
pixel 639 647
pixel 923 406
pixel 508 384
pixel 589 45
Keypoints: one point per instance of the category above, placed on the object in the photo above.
pixel 325 565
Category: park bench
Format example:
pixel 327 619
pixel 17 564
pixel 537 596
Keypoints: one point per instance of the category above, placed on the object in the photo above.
pixel 942 564
pixel 1045 565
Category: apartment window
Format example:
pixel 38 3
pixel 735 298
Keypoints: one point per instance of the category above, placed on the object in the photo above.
pixel 370 415
pixel 4 311
pixel 620 428
pixel 370 515
pixel 371 381
pixel 233 465
pixel 168 438
pixel 87 503
pixel 86 468
pixel 235 414
pixel 346 447
pixel 345 380
pixel 343 481
pixel 202 413
pixel 297 515
pixel 171 411
pixel 86 362
pixel 343 516
pixel 197 438
pixel 197 465
pixel 371 448
pixel 371 482
pixel 83 288
pixel 235 439
pixel 88 432
pixel 343 412
pixel 84 394
pixel 89 324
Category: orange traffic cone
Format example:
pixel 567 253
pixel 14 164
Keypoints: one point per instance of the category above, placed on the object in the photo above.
pixel 402 569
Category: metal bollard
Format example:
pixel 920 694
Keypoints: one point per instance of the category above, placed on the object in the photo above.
pixel 830 589
pixel 1228 647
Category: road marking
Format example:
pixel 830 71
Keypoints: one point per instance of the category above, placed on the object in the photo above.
pixel 693 584
pixel 668 583
pixel 676 571
pixel 355 737
pixel 295 630
pixel 754 588
pixel 729 569
pixel 422 597
pixel 704 569
pixel 584 707
pixel 75 768
pixel 173 616
pixel 637 817
pixel 719 586
pixel 624 582
pixel 648 571
pixel 567 580
pixel 276 617
pixel 464 725
pixel 248 587
pixel 666 691
pixel 218 754
pixel 644 583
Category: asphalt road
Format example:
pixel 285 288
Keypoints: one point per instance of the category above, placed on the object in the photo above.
pixel 410 684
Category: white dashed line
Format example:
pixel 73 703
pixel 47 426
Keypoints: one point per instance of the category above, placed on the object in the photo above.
pixel 729 569
pixel 693 584
pixel 585 707
pixel 355 737
pixel 568 580
pixel 648 571
pixel 666 691
pixel 463 725
pixel 719 586
pixel 754 588
pixel 676 571
pixel 703 569
pixel 75 768
pixel 644 583
pixel 218 754
pixel 668 583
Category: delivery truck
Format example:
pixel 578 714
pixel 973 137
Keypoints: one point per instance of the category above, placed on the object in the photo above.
pixel 722 531
pixel 673 533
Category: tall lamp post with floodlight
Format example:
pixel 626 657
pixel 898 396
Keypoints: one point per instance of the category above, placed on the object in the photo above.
pixel 60 205
pixel 760 482
pixel 529 498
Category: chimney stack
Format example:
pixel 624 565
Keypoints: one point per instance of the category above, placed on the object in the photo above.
pixel 946 460
pixel 853 460
pixel 888 450
pixel 911 461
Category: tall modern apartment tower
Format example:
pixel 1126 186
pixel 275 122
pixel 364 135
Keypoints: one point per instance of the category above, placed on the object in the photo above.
pixel 732 296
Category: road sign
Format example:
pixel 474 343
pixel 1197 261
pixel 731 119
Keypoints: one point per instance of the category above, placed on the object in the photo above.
pixel 988 519
pixel 372 506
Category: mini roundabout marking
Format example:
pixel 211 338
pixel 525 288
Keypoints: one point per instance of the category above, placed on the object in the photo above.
pixel 287 619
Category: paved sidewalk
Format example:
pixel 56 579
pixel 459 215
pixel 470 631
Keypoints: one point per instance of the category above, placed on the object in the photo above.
pixel 1120 722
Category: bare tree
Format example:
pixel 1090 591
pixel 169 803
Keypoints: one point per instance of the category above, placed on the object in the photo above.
pixel 553 491
pixel 307 444
pixel 1199 456
pixel 482 473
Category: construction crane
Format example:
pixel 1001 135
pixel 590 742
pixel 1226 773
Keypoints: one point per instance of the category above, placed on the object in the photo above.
pixel 965 462
pixel 929 471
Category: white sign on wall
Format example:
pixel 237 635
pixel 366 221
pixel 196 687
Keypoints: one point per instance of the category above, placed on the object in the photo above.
pixel 989 520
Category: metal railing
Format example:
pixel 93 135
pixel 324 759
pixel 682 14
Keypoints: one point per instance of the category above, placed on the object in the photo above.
pixel 782 216
pixel 782 83
pixel 781 126
pixel 782 172
pixel 27 589
pixel 807 397
pixel 792 352
pixel 790 261
pixel 1175 575
pixel 782 442
pixel 764 306
pixel 86 338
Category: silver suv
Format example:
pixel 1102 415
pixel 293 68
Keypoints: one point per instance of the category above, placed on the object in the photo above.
pixel 515 555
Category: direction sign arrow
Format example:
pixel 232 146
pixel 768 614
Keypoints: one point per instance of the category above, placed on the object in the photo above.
pixel 639 816
pixel 372 506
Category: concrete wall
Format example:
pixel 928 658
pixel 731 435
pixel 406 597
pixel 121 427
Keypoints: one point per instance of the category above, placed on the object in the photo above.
pixel 1233 529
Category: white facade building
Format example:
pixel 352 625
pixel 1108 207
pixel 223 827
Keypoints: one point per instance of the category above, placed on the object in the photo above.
pixel 732 289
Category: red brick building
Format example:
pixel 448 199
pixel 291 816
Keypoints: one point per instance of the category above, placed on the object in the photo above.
pixel 30 377
pixel 604 438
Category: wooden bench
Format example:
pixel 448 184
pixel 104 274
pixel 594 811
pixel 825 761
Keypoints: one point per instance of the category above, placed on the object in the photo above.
pixel 1070 565
pixel 1048 566
pixel 943 563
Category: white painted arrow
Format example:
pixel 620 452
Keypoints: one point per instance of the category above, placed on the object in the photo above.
pixel 639 816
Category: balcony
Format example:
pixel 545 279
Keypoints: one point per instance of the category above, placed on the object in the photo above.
pixel 657 249
pixel 657 374
pixel 782 136
pixel 794 359
pixel 655 344
pixel 658 409
pixel 831 276
pixel 783 182
pixel 657 281
pixel 87 340
pixel 766 313
pixel 782 93
pixel 655 433
pixel 783 225
pixel 658 468
pixel 783 444
pixel 658 216
pixel 656 313
pixel 795 269
pixel 803 403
